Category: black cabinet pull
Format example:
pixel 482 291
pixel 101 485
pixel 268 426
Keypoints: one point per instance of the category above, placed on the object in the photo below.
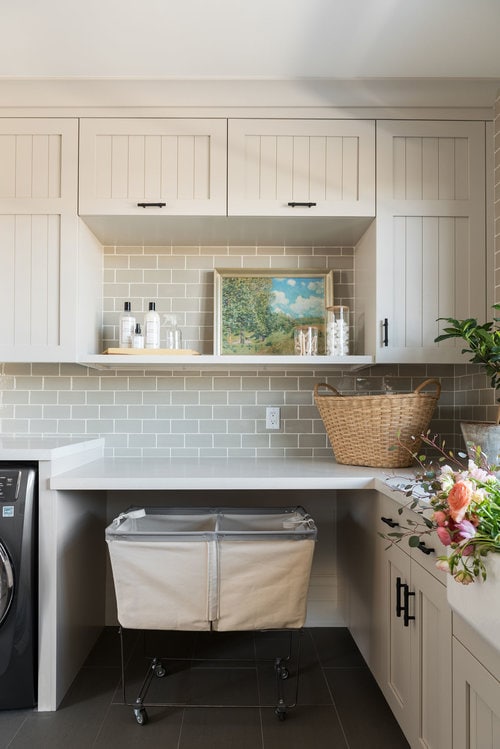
pixel 385 327
pixel 403 607
pixel 399 606
pixel 425 549
pixel 390 522
pixel 151 205
pixel 406 604
pixel 293 204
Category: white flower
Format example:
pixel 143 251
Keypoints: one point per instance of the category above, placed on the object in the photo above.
pixel 478 473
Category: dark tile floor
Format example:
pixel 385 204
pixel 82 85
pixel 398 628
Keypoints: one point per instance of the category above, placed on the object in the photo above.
pixel 339 704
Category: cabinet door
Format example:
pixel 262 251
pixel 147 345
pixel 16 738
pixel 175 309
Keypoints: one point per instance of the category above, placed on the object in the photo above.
pixel 476 703
pixel 38 239
pixel 179 162
pixel 397 680
pixel 273 164
pixel 430 238
pixel 431 667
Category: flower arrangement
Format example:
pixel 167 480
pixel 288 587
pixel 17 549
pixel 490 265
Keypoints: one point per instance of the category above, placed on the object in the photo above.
pixel 462 506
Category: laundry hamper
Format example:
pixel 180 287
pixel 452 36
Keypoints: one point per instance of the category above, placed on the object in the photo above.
pixel 211 569
pixel 376 430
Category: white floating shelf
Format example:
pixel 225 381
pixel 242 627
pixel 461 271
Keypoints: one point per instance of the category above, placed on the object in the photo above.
pixel 204 361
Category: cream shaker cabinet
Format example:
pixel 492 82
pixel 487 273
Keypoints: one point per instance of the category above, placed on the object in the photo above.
pixel 153 166
pixel 476 693
pixel 39 238
pixel 399 617
pixel 290 167
pixel 425 257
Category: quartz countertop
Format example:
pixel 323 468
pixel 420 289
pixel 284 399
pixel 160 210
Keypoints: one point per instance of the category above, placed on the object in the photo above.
pixel 44 448
pixel 220 473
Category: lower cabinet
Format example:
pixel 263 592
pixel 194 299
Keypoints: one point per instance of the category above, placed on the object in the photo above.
pixel 398 614
pixel 476 693
pixel 416 641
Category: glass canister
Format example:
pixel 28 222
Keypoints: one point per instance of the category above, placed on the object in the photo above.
pixel 305 338
pixel 337 330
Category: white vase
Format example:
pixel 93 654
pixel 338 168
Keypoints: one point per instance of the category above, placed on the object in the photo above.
pixel 479 602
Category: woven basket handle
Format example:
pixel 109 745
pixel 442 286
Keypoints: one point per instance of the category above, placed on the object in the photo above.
pixel 328 387
pixel 429 382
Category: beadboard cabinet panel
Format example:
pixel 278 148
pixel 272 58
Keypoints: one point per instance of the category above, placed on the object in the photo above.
pixel 428 251
pixel 476 702
pixel 42 310
pixel 39 158
pixel 179 162
pixel 330 163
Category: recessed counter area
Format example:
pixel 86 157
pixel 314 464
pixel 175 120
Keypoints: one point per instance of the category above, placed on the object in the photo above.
pixel 79 489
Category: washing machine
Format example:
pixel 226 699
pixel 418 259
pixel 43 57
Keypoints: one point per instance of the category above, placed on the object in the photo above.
pixel 18 585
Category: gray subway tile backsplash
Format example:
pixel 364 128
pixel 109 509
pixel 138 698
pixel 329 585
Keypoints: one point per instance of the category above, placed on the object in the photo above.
pixel 198 413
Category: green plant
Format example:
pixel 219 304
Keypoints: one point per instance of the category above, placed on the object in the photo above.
pixel 483 342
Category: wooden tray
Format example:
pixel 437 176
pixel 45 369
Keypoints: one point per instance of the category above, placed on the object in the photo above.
pixel 151 352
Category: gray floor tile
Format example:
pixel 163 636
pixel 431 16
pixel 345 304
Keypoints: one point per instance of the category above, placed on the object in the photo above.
pixel 221 728
pixel 336 648
pixel 365 715
pixel 305 726
pixel 121 731
pixel 11 721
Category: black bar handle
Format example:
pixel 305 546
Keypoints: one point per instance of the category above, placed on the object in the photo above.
pixel 385 326
pixel 293 204
pixel 425 549
pixel 390 522
pixel 406 605
pixel 151 205
pixel 399 587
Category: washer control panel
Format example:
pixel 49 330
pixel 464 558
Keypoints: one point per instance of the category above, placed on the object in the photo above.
pixel 10 480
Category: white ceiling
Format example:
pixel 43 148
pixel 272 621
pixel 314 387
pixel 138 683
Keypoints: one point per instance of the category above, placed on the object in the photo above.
pixel 271 39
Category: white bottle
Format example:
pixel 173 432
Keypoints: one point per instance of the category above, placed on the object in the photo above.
pixel 127 327
pixel 138 338
pixel 173 334
pixel 152 327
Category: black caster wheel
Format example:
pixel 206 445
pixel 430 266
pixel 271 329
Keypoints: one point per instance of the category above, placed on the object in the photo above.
pixel 281 714
pixel 160 671
pixel 141 716
pixel 284 674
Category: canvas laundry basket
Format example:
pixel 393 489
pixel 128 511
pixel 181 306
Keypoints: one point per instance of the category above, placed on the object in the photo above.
pixel 211 569
pixel 365 430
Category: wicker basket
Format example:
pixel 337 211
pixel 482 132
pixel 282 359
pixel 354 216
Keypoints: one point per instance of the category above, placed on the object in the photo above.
pixel 365 430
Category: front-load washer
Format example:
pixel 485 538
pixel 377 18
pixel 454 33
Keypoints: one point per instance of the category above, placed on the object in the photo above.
pixel 18 585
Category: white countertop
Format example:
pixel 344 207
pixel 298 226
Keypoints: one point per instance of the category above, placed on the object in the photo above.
pixel 221 473
pixel 43 448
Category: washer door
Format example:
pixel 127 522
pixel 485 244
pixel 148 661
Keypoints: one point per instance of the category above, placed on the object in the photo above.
pixel 6 583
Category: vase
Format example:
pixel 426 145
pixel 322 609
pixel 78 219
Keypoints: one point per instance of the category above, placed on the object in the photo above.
pixel 484 434
pixel 479 602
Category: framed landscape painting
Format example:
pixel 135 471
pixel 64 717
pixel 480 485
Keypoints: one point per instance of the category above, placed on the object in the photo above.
pixel 256 311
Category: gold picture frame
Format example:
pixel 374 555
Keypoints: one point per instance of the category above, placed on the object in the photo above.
pixel 256 310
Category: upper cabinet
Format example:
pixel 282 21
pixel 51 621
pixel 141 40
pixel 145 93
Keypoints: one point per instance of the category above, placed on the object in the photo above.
pixel 38 239
pixel 425 258
pixel 301 167
pixel 172 167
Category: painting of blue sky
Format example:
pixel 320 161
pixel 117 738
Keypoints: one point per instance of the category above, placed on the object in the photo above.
pixel 299 297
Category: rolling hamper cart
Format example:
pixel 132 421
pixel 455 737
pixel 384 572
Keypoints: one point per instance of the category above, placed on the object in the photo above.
pixel 211 569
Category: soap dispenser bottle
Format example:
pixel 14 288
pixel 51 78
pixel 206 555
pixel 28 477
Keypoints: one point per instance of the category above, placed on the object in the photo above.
pixel 127 327
pixel 152 327
pixel 173 334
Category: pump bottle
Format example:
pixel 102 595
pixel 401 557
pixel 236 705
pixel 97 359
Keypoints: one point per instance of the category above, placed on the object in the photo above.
pixel 152 327
pixel 127 327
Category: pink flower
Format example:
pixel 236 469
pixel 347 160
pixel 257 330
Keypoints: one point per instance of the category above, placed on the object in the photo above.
pixel 444 535
pixel 465 529
pixel 459 499
pixel 442 564
pixel 439 517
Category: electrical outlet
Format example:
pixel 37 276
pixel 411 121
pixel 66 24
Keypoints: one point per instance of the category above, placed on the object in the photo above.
pixel 272 417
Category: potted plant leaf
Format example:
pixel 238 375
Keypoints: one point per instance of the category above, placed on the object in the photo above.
pixel 483 346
